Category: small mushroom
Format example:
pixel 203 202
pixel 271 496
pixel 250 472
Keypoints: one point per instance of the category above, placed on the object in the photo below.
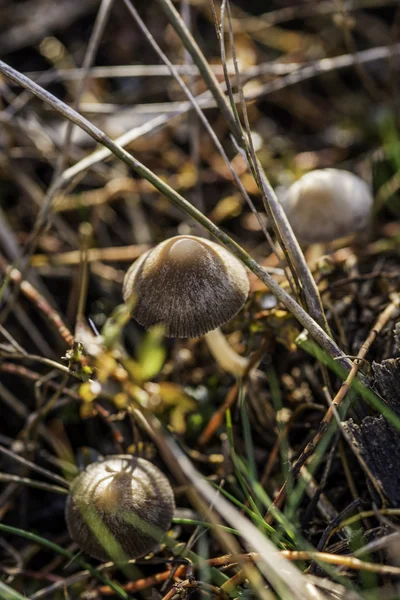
pixel 119 508
pixel 191 286
pixel 327 204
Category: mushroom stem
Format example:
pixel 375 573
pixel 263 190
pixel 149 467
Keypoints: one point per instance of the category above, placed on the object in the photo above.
pixel 229 360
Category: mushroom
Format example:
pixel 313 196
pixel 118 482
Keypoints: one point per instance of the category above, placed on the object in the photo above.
pixel 192 286
pixel 327 204
pixel 119 508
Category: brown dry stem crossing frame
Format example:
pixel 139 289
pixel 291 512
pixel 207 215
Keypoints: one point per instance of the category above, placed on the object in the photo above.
pixel 279 219
pixel 227 560
pixel 315 330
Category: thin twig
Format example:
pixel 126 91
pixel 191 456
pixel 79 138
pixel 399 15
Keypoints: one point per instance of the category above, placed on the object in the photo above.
pixel 33 467
pixel 88 60
pixel 45 209
pixel 248 149
pixel 38 300
pixel 114 253
pixel 45 361
pixel 324 65
pixel 32 483
pixel 280 221
pixel 21 371
pixel 13 342
pixel 189 584
pixel 198 112
pixel 85 231
pixel 349 562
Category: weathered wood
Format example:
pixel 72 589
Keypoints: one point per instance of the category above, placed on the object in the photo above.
pixel 387 382
pixel 376 444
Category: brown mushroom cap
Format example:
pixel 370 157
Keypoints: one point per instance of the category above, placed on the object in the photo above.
pixel 327 204
pixel 188 284
pixel 119 508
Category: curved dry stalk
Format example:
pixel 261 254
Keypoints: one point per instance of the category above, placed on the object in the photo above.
pixel 199 112
pixel 247 148
pixel 315 330
pixel 279 220
pixel 350 562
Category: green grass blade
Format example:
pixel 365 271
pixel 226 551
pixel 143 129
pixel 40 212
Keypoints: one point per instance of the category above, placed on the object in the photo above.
pixel 196 523
pixel 37 539
pixel 7 593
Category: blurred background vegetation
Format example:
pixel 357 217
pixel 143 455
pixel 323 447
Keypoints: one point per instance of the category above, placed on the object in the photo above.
pixel 322 84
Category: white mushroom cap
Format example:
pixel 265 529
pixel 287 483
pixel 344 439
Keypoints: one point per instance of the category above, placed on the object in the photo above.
pixel 188 284
pixel 327 204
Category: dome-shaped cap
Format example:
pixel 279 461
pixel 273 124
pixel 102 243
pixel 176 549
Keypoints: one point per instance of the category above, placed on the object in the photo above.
pixel 188 284
pixel 119 508
pixel 327 204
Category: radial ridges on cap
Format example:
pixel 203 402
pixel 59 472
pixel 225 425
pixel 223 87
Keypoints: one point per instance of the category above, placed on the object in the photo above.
pixel 120 507
pixel 188 284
